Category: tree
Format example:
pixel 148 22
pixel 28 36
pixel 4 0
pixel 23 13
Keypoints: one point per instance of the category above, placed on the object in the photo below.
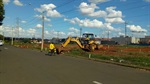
pixel 2 11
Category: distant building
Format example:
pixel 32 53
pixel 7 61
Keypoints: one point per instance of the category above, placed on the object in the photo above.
pixel 145 40
pixel 55 40
pixel 122 40
pixel 135 40
pixel 131 40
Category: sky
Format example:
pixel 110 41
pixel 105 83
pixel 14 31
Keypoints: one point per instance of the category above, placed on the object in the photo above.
pixel 63 18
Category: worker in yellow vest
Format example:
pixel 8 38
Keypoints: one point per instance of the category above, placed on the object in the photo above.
pixel 52 49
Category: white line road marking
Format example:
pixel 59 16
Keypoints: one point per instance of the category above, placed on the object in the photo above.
pixel 96 82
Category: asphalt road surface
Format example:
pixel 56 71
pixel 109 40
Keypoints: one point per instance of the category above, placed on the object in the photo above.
pixel 26 66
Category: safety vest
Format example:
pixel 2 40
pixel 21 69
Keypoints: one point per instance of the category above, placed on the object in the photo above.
pixel 51 46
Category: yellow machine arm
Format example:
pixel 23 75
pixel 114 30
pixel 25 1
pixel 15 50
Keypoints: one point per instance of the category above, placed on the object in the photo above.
pixel 69 39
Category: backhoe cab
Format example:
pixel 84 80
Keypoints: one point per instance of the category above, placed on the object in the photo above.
pixel 87 42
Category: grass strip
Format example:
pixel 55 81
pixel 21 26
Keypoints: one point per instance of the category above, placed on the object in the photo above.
pixel 140 61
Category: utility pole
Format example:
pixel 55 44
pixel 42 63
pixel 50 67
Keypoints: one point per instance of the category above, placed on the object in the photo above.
pixel 80 32
pixel 126 32
pixel 42 31
pixel 108 35
pixel 12 41
pixel 17 26
pixel 126 29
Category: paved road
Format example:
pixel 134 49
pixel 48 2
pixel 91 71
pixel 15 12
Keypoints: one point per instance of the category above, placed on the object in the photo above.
pixel 25 66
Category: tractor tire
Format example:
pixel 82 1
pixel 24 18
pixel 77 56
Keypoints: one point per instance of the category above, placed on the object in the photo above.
pixel 97 47
pixel 91 47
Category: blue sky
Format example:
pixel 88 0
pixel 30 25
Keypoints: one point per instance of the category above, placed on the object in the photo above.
pixel 64 18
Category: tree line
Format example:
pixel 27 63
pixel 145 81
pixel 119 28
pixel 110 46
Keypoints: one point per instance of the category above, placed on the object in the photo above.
pixel 2 12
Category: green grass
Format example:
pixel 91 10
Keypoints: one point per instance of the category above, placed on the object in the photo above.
pixel 139 60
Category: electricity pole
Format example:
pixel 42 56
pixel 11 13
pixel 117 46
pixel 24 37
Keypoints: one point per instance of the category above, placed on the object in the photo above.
pixel 108 35
pixel 12 41
pixel 126 32
pixel 80 32
pixel 42 31
pixel 17 27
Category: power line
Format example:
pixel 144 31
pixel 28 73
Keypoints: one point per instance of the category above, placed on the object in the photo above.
pixel 31 23
pixel 57 7
pixel 65 3
pixel 132 8
pixel 68 11
pixel 142 15
pixel 136 7
pixel 17 25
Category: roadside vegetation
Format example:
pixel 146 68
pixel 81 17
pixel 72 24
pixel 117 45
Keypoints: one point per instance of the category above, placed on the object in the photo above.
pixel 134 56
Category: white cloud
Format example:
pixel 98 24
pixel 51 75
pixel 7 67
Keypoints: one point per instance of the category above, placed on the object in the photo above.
pixel 18 3
pixel 110 15
pixel 6 1
pixel 31 31
pixel 136 28
pixel 99 13
pixel 46 32
pixel 21 29
pixel 45 18
pixel 113 15
pixel 8 31
pixel 74 30
pixel 27 33
pixel 71 34
pixel 108 26
pixel 53 33
pixel 86 22
pixel 23 21
pixel 62 33
pixel 114 20
pixel 49 9
pixel 38 26
pixel 53 13
pixel 98 1
pixel 147 0
pixel 121 34
pixel 89 9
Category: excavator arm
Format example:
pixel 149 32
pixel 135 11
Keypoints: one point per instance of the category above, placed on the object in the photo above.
pixel 91 45
pixel 70 39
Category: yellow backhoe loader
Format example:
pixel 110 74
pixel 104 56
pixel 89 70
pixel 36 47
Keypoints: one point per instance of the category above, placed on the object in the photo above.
pixel 87 42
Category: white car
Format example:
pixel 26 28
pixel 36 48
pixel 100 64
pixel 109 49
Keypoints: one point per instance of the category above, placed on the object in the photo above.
pixel 1 43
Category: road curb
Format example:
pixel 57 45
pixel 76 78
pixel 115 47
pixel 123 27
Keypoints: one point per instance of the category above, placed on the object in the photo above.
pixel 121 64
pixel 112 62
